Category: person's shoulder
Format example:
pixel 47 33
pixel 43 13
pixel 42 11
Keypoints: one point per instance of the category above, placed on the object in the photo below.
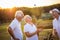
pixel 26 25
pixel 54 20
pixel 13 21
pixel 59 17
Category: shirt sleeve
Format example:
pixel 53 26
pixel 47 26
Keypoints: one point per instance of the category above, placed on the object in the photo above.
pixel 12 25
pixel 26 29
pixel 59 18
pixel 54 25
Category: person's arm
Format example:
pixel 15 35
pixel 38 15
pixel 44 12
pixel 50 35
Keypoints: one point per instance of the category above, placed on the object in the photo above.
pixel 39 30
pixel 12 34
pixel 54 27
pixel 30 34
pixel 54 32
pixel 38 33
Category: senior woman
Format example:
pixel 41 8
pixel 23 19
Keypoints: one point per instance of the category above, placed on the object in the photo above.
pixel 30 29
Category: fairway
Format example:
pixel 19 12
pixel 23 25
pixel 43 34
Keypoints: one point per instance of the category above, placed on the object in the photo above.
pixel 4 35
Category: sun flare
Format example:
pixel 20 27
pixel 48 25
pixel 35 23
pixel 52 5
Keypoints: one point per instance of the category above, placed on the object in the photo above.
pixel 26 3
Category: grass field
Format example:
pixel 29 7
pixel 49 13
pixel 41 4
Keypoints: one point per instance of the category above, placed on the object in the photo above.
pixel 3 32
pixel 4 35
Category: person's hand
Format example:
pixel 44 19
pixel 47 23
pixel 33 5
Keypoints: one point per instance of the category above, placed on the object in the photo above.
pixel 54 34
pixel 16 39
pixel 39 30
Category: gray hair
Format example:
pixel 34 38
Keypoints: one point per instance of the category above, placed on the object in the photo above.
pixel 27 16
pixel 18 13
pixel 54 10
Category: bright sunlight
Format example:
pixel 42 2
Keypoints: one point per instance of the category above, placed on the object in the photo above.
pixel 26 3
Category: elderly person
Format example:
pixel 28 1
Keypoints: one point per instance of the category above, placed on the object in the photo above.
pixel 56 22
pixel 30 29
pixel 14 28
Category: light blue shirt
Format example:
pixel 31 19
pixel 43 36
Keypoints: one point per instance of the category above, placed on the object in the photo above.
pixel 30 28
pixel 56 25
pixel 16 27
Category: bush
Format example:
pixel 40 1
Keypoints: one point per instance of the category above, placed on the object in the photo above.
pixel 44 23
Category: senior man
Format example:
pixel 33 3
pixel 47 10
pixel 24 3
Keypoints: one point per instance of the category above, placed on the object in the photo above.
pixel 14 28
pixel 56 22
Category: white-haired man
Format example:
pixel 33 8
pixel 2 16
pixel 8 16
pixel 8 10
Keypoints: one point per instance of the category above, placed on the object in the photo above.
pixel 56 22
pixel 14 28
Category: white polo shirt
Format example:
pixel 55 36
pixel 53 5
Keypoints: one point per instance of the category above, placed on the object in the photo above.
pixel 16 27
pixel 30 28
pixel 56 25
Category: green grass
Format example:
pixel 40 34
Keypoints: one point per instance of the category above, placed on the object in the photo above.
pixel 3 32
pixel 4 35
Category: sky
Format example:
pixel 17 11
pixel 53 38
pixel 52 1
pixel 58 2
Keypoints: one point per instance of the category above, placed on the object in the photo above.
pixel 26 3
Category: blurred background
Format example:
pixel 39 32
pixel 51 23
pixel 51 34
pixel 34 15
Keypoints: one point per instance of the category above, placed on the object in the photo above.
pixel 37 9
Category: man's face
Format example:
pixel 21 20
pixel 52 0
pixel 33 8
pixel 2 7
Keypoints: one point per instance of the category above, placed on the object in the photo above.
pixel 20 17
pixel 55 14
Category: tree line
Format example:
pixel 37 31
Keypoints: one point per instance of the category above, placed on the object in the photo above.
pixel 6 15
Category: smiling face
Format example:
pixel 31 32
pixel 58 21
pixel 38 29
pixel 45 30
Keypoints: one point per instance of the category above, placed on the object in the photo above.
pixel 19 18
pixel 19 15
pixel 28 18
pixel 55 14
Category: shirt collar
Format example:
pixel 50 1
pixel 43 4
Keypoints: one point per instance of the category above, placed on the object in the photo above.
pixel 17 20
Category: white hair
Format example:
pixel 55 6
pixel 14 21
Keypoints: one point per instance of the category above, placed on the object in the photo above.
pixel 54 10
pixel 27 16
pixel 18 13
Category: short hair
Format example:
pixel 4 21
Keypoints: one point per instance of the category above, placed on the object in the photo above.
pixel 55 10
pixel 18 13
pixel 27 16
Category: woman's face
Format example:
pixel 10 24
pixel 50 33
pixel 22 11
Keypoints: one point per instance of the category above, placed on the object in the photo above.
pixel 29 19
